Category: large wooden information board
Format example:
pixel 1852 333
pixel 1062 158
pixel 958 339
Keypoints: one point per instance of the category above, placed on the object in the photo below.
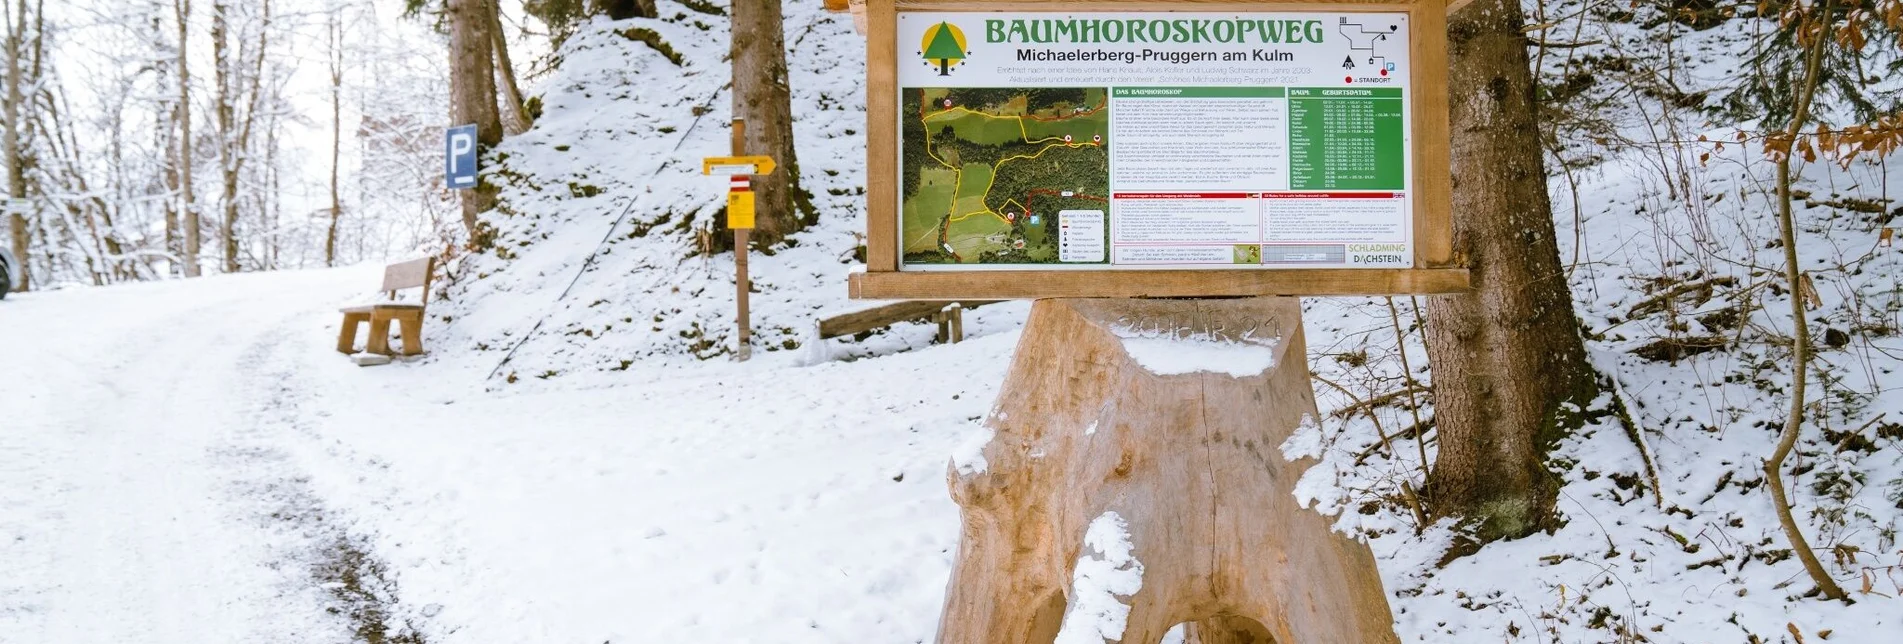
pixel 1142 148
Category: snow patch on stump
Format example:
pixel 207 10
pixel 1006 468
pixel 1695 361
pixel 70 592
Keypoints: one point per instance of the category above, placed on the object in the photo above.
pixel 969 457
pixel 1168 353
pixel 1106 573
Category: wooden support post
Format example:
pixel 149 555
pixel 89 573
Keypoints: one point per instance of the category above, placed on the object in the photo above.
pixel 955 314
pixel 744 350
pixel 412 326
pixel 379 335
pixel 1103 412
pixel 347 337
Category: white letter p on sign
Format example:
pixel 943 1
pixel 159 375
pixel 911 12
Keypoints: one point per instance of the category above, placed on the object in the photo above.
pixel 460 144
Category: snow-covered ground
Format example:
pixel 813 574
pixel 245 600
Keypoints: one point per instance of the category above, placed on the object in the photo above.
pixel 192 462
pixel 146 494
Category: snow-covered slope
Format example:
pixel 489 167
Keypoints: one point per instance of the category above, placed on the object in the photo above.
pixel 612 169
pixel 1678 281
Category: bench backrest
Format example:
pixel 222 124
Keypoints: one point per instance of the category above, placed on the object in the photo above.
pixel 410 274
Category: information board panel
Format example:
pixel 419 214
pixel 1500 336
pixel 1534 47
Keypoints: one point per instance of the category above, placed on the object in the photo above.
pixel 1135 147
pixel 1154 140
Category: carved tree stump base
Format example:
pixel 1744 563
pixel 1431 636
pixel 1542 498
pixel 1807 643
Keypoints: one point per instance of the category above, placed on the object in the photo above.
pixel 1189 462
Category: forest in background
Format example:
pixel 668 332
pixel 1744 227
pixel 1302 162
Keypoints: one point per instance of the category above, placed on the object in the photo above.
pixel 171 138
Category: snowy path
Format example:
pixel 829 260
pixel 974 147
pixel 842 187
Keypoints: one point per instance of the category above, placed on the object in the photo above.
pixel 191 462
pixel 136 490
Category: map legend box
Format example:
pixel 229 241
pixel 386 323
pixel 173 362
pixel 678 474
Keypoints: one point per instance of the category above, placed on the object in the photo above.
pixel 1080 236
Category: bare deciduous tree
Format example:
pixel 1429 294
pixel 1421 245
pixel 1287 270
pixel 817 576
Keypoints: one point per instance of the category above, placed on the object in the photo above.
pixel 182 10
pixel 15 154
pixel 334 56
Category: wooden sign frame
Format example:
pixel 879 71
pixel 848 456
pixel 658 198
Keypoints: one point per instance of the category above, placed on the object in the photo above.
pixel 1435 268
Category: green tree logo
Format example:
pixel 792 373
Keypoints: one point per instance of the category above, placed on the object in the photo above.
pixel 944 46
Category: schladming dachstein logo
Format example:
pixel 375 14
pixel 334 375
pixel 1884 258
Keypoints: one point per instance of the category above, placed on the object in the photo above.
pixel 943 47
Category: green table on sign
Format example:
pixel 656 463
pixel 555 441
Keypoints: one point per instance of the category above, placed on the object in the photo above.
pixel 1346 139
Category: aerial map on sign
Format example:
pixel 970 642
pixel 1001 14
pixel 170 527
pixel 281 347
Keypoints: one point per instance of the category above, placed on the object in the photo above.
pixel 994 169
pixel 1154 140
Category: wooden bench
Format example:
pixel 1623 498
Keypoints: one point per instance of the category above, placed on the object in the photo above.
pixel 949 315
pixel 396 277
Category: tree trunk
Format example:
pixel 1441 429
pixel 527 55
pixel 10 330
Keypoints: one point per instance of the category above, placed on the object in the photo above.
pixel 1507 357
pixel 515 113
pixel 334 35
pixel 472 92
pixel 273 210
pixel 227 165
pixel 234 135
pixel 183 10
pixel 1093 442
pixel 254 97
pixel 760 96
pixel 164 119
pixel 16 159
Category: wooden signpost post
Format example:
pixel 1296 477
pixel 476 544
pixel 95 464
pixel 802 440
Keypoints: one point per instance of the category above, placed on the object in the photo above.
pixel 740 215
pixel 1123 162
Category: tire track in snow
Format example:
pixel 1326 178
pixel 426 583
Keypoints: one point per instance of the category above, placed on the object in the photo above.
pixel 338 560
pixel 159 505
pixel 141 544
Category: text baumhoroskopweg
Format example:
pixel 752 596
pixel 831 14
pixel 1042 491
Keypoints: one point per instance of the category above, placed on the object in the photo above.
pixel 1029 55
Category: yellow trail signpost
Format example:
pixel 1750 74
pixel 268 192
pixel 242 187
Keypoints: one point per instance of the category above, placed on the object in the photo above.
pixel 738 164
pixel 740 218
pixel 740 203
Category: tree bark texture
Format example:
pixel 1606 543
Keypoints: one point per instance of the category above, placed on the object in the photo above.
pixel 16 159
pixel 165 118
pixel 334 36
pixel 1507 357
pixel 473 98
pixel 1192 464
pixel 222 71
pixel 236 89
pixel 189 207
pixel 760 96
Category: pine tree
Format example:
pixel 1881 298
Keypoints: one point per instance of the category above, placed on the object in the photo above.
pixel 944 48
pixel 1507 358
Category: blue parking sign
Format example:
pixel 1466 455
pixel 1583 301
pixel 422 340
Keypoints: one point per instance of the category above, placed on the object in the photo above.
pixel 459 157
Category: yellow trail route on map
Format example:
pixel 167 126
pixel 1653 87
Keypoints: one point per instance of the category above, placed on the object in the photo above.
pixel 958 173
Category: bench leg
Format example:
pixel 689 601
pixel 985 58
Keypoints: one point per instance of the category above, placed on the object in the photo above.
pixel 379 335
pixel 412 335
pixel 347 337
